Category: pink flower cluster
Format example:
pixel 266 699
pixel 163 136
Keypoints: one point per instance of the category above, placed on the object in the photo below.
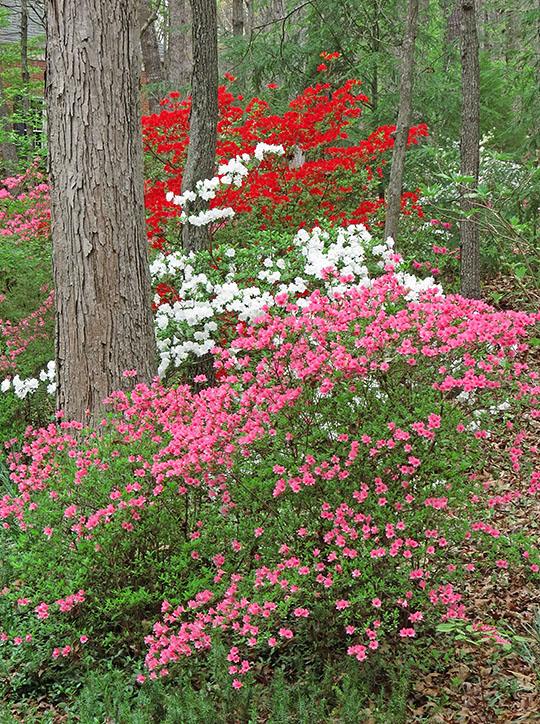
pixel 297 493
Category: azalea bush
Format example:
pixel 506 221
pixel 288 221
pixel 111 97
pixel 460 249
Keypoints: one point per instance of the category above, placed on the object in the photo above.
pixel 323 499
pixel 26 299
pixel 323 174
pixel 201 297
pixel 317 118
pixel 25 278
pixel 315 498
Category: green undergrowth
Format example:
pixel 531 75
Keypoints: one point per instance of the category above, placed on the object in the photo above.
pixel 426 685
pixel 290 694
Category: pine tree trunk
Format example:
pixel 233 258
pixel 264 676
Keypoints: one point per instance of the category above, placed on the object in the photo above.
pixel 153 69
pixel 179 53
pixel 469 152
pixel 100 252
pixel 403 121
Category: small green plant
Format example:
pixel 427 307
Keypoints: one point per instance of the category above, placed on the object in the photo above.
pixel 528 646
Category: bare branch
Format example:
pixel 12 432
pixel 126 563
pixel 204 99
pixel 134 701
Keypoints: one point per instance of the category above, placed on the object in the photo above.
pixel 151 19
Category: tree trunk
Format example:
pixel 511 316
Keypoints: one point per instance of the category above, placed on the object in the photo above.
pixel 375 45
pixel 238 18
pixel 201 156
pixel 469 152
pixel 450 32
pixel 100 252
pixel 25 75
pixel 24 44
pixel 277 9
pixel 203 117
pixel 180 53
pixel 153 69
pixel 8 151
pixel 250 4
pixel 403 121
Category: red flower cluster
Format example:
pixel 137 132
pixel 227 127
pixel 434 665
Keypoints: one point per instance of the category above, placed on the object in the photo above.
pixel 320 176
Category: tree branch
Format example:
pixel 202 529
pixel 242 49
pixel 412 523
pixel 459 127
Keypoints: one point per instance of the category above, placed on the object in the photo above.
pixel 151 19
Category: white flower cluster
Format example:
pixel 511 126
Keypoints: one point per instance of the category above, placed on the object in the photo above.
pixel 207 217
pixel 232 172
pixel 22 388
pixel 346 254
pixel 263 148
pixel 350 256
pixel 235 170
pixel 203 301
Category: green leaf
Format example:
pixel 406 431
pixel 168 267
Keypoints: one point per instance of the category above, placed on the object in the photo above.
pixel 444 627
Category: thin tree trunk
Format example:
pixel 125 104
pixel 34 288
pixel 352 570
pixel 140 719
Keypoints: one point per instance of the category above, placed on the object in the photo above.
pixel 100 251
pixel 469 152
pixel 278 9
pixel 238 18
pixel 180 53
pixel 8 149
pixel 450 33
pixel 250 4
pixel 403 121
pixel 201 155
pixel 375 47
pixel 150 54
pixel 25 73
pixel 375 88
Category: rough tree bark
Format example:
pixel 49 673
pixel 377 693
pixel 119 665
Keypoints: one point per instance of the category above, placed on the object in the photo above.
pixel 179 53
pixel 150 54
pixel 403 121
pixel 375 43
pixel 469 152
pixel 201 155
pixel 100 252
pixel 203 117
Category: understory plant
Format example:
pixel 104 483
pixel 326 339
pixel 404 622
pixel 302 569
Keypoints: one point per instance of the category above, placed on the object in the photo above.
pixel 26 299
pixel 508 199
pixel 322 176
pixel 304 167
pixel 313 501
pixel 323 498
